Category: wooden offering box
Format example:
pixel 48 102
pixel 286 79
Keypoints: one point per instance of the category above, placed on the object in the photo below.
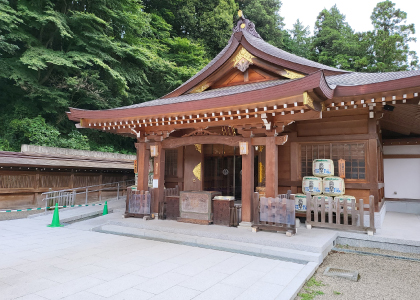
pixel 222 207
pixel 172 207
pixel 195 206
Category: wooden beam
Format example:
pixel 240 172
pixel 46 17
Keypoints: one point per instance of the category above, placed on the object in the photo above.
pixel 390 156
pixel 261 141
pixel 333 138
pixel 398 142
pixel 297 116
pixel 172 143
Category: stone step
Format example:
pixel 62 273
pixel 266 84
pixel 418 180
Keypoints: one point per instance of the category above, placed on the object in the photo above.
pixel 214 243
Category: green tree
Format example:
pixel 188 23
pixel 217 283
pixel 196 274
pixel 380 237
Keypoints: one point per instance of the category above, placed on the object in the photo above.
pixel 208 22
pixel 300 40
pixel 335 43
pixel 265 14
pixel 390 39
pixel 89 54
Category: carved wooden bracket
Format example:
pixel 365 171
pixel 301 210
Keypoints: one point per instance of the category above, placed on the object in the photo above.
pixel 200 132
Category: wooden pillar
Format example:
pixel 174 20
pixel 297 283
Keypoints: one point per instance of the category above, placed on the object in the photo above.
pixel 194 163
pixel 180 168
pixel 271 168
pixel 159 175
pixel 143 155
pixel 372 170
pixel 372 167
pixel 248 184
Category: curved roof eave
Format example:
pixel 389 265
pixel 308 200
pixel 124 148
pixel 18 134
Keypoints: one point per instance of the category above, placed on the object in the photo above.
pixel 376 87
pixel 315 81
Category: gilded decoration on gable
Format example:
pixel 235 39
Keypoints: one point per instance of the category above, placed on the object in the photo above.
pixel 197 171
pixel 198 147
pixel 242 60
pixel 292 75
pixel 307 100
pixel 201 88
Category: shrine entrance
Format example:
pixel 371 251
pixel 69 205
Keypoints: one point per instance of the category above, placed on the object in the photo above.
pixel 223 170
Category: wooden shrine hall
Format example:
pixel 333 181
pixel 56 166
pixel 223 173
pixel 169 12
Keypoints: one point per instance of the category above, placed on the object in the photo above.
pixel 256 117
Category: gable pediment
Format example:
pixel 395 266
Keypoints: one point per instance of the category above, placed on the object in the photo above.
pixel 242 67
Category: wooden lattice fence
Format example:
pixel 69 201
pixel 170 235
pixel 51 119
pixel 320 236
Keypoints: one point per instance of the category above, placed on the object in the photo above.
pixel 330 213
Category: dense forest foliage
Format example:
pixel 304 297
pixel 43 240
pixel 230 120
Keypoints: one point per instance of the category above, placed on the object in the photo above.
pixel 100 54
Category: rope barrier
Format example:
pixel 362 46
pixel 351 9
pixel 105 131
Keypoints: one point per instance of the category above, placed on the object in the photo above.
pixel 48 207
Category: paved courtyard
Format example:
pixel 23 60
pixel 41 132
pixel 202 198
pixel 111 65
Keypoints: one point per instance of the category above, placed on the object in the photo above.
pixel 37 262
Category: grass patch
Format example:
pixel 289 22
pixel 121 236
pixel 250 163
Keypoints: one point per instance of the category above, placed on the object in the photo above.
pixel 311 289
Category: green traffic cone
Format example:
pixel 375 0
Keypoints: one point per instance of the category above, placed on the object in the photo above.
pixel 105 208
pixel 56 220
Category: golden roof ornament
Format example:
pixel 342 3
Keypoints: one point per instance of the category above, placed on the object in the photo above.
pixel 245 25
pixel 242 60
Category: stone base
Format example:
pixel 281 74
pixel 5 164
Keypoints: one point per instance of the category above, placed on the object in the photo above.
pixel 245 225
pixel 379 218
pixel 194 221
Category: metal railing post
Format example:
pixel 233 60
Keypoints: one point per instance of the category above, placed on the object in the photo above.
pixel 118 191
pixel 86 195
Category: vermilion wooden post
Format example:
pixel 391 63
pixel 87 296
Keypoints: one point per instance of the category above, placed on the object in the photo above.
pixel 271 168
pixel 248 184
pixel 143 155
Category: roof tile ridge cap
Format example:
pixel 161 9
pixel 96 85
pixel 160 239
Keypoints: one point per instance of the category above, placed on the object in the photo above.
pixel 304 58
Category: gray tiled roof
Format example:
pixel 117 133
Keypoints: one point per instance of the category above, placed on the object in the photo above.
pixel 267 48
pixel 276 52
pixel 355 78
pixel 210 94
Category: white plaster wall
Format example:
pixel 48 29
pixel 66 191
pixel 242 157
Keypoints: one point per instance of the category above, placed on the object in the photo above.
pixel 402 175
pixel 401 149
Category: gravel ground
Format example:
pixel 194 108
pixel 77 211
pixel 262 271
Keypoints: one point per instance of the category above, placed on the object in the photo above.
pixel 380 277
pixel 18 215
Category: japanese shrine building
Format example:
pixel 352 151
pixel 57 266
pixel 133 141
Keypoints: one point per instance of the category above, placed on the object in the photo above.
pixel 285 111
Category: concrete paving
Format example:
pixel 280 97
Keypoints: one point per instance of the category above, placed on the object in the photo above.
pixel 78 262
pixel 400 232
pixel 72 262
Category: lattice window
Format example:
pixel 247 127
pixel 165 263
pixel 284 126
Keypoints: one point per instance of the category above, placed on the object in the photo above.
pixel 171 162
pixel 352 153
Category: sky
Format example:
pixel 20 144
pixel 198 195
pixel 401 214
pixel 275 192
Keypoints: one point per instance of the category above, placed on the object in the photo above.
pixel 357 13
